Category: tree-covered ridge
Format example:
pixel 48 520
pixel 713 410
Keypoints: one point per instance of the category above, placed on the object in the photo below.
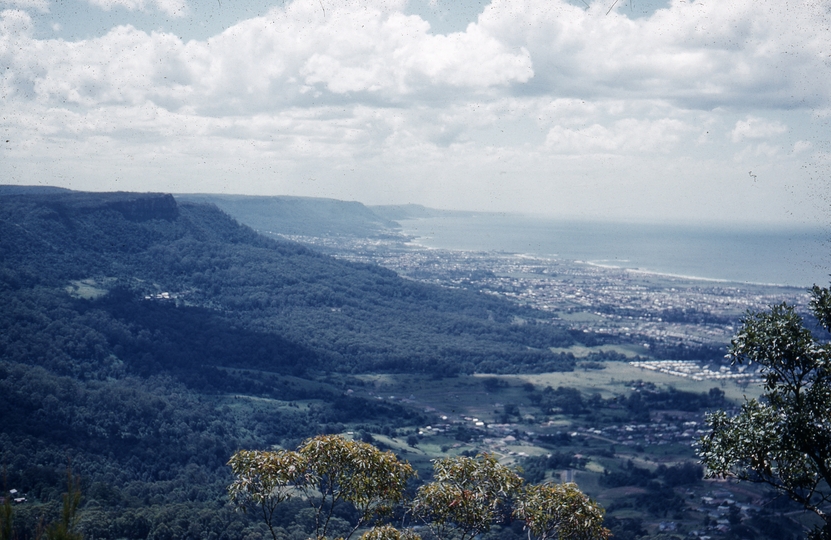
pixel 304 216
pixel 148 339
pixel 349 317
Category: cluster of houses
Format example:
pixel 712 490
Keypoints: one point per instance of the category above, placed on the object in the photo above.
pixel 15 496
pixel 653 433
pixel 161 296
pixel 689 369
pixel 718 506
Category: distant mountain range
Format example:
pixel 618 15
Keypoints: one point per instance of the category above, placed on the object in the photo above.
pixel 309 216
pixel 291 216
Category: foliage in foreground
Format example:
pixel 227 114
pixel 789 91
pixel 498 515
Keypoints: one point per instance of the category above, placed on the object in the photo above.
pixel 6 516
pixel 65 529
pixel 325 470
pixel 467 494
pixel 784 438
pixel 560 511
pixel 466 497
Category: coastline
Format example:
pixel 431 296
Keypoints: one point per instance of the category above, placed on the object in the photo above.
pixel 657 273
pixel 759 258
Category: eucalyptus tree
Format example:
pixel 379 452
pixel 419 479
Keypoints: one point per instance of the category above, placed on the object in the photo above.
pixel 355 472
pixel 782 439
pixel 388 532
pixel 560 511
pixel 467 496
pixel 325 471
pixel 264 479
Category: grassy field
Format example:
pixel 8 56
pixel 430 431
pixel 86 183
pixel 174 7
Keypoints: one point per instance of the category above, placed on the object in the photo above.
pixel 87 289
pixel 467 395
pixel 615 379
pixel 580 351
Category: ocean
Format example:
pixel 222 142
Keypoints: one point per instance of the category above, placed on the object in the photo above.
pixel 797 257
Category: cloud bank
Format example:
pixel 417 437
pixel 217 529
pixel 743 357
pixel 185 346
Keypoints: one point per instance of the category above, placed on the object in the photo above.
pixel 532 99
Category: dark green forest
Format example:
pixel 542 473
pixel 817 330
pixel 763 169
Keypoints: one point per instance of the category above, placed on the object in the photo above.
pixel 126 316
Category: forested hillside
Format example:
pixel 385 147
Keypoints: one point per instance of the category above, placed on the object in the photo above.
pixel 229 289
pixel 304 216
pixel 126 316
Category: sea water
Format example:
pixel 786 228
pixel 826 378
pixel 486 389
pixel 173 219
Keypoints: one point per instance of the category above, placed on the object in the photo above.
pixel 783 256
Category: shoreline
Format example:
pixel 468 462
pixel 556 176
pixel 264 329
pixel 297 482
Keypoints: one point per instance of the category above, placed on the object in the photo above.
pixel 414 243
pixel 691 278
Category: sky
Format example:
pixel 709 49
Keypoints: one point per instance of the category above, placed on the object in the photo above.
pixel 688 111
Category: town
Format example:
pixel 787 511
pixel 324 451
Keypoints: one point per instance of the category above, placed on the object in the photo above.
pixel 630 306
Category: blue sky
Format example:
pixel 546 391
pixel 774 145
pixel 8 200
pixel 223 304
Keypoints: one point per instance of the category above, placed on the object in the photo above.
pixel 635 110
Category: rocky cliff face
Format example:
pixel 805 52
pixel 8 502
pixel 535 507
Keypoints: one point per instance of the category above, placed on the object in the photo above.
pixel 65 203
pixel 147 207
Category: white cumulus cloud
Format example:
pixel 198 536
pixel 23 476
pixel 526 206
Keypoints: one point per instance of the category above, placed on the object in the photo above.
pixel 699 54
pixel 801 146
pixel 366 92
pixel 756 128
pixel 15 24
pixel 693 54
pixel 625 135
pixel 37 5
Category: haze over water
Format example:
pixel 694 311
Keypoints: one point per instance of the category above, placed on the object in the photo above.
pixel 796 257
